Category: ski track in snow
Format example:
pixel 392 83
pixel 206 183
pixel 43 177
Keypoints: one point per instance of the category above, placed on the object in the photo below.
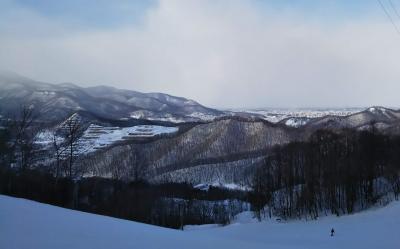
pixel 26 224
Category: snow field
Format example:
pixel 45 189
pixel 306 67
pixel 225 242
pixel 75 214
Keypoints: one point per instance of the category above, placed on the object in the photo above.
pixel 26 224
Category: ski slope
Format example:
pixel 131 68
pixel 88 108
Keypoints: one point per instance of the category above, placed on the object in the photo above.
pixel 29 225
pixel 96 137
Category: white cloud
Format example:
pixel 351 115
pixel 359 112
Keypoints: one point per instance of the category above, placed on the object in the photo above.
pixel 221 53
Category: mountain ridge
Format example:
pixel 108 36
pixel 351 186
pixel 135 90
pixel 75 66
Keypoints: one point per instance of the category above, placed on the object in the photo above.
pixel 63 99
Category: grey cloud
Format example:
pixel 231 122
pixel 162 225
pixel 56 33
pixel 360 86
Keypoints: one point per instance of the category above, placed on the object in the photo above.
pixel 220 53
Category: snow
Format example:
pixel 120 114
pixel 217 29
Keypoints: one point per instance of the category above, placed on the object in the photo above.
pixel 96 137
pixel 29 225
pixel 296 122
pixel 277 115
pixel 374 228
pixel 202 116
pixel 200 227
pixel 47 137
pixel 168 117
pixel 384 112
pixel 231 186
pixel 148 115
pixel 377 109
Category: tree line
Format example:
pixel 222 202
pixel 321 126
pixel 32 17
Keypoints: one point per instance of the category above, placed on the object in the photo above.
pixel 337 172
pixel 170 205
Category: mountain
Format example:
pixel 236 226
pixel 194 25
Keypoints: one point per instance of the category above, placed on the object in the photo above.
pixel 122 138
pixel 223 151
pixel 384 119
pixel 226 150
pixel 56 102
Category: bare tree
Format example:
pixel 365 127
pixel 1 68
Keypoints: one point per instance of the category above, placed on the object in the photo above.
pixel 72 131
pixel 5 144
pixel 137 166
pixel 59 150
pixel 24 134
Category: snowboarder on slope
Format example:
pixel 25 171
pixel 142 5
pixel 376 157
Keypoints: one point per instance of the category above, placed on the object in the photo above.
pixel 332 232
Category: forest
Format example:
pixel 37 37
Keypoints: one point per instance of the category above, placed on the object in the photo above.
pixel 337 172
pixel 340 173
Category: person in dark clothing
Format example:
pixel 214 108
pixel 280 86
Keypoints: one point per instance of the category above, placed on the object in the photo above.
pixel 332 232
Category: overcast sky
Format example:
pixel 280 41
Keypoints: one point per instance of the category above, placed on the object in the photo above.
pixel 222 53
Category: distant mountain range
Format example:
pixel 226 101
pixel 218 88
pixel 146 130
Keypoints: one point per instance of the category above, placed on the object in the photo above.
pixel 58 101
pixel 207 146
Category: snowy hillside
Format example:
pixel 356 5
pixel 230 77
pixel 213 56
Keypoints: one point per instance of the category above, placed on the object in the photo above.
pixel 96 137
pixel 25 224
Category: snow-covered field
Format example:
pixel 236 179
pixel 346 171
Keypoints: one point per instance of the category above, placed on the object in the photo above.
pixel 29 225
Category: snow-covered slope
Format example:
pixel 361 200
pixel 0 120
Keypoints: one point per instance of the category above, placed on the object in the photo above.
pixel 25 224
pixel 97 137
